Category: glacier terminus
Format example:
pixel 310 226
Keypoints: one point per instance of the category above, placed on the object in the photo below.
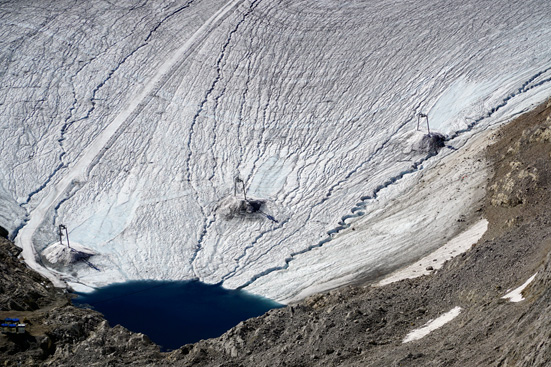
pixel 142 126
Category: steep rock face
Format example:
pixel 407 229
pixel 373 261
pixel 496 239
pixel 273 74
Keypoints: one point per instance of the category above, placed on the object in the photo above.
pixel 23 289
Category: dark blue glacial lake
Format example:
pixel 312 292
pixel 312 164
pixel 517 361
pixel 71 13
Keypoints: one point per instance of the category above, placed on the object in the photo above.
pixel 174 313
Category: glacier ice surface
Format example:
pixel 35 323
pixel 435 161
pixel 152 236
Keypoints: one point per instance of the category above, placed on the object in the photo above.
pixel 129 123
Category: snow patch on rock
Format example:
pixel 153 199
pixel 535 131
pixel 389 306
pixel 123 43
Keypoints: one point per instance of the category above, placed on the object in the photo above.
pixel 516 294
pixel 432 325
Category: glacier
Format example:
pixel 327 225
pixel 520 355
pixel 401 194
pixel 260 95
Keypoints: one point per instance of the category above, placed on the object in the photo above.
pixel 131 122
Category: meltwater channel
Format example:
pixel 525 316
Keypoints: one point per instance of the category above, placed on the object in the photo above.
pixel 174 313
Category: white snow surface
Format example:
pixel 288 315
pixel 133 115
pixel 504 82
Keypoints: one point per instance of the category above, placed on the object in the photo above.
pixel 129 124
pixel 516 294
pixel 432 325
pixel 456 246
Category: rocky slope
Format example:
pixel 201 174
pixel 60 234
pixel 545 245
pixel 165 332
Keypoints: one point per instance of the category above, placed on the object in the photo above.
pixel 357 325
pixel 56 330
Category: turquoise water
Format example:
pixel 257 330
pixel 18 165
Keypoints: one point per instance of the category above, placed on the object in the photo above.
pixel 174 313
